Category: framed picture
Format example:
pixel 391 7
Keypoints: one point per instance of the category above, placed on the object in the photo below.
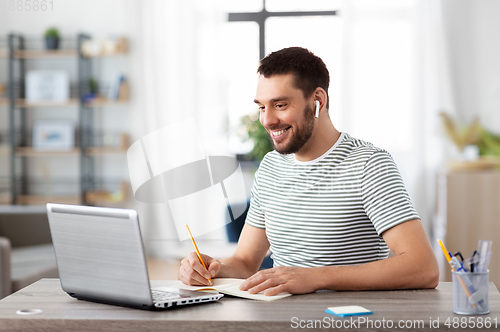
pixel 53 135
pixel 47 85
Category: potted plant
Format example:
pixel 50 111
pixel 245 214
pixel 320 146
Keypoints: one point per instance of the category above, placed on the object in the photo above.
pixel 52 39
pixel 93 87
pixel 251 129
pixel 484 145
pixel 258 135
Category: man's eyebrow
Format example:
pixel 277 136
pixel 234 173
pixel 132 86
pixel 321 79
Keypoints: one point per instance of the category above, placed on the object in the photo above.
pixel 273 100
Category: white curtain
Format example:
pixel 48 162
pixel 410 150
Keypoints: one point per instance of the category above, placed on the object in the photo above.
pixel 168 87
pixel 437 95
pixel 396 80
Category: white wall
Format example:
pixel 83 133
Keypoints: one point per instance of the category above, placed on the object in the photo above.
pixel 473 31
pixel 108 17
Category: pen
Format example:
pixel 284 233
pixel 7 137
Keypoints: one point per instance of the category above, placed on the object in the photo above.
pixel 198 253
pixel 453 267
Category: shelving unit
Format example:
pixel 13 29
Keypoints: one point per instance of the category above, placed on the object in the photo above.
pixel 23 155
pixel 99 151
pixel 30 152
pixel 4 150
pixel 104 102
pixel 4 110
pixel 43 199
pixel 23 103
pixel 70 103
pixel 45 54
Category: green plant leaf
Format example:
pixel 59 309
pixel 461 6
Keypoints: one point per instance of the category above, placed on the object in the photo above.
pixel 258 135
pixel 51 32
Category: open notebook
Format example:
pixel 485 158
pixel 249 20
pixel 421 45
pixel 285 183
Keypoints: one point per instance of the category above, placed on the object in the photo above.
pixel 228 286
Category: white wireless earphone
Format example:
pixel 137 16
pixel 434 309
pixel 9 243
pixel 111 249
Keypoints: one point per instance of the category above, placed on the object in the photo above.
pixel 317 108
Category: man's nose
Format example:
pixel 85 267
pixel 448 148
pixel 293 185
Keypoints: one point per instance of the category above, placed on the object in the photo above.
pixel 268 118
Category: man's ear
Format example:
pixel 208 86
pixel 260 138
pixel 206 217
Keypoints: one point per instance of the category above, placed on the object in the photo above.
pixel 320 96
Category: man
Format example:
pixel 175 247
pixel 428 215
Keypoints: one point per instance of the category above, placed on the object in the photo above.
pixel 329 206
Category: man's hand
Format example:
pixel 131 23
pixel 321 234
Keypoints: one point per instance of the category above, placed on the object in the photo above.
pixel 193 273
pixel 294 280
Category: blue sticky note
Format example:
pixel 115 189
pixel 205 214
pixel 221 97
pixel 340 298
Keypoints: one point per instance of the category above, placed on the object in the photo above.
pixel 349 310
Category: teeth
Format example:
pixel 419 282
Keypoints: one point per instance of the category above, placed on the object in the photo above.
pixel 277 133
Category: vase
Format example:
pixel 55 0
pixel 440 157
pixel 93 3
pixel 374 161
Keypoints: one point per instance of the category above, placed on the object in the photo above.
pixel 52 43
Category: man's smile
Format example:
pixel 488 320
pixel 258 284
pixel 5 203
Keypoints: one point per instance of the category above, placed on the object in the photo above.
pixel 279 134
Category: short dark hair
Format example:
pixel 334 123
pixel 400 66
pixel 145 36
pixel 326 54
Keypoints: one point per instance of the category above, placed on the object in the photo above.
pixel 309 70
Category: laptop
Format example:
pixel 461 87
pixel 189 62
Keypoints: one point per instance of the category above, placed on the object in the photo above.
pixel 100 258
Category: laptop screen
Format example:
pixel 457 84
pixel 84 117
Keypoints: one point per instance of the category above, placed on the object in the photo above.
pixel 99 253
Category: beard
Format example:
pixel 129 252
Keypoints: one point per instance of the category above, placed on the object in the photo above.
pixel 301 134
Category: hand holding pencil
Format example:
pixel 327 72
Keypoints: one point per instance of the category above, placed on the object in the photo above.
pixel 198 269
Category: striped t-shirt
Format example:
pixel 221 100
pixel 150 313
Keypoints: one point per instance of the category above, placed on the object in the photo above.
pixel 332 210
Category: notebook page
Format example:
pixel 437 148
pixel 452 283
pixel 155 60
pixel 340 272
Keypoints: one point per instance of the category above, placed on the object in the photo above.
pixel 228 286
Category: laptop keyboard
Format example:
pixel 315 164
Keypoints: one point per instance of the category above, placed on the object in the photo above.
pixel 164 296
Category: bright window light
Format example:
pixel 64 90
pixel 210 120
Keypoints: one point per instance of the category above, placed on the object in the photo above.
pixel 301 5
pixel 240 6
pixel 284 32
pixel 382 79
pixel 240 76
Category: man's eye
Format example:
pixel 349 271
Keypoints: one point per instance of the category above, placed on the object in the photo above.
pixel 280 105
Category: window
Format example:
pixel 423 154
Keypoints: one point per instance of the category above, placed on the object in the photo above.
pixel 257 33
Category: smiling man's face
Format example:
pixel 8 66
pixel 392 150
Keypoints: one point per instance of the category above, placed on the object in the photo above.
pixel 285 113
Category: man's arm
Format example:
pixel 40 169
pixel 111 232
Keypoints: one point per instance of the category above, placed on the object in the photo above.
pixel 251 251
pixel 414 266
pixel 252 248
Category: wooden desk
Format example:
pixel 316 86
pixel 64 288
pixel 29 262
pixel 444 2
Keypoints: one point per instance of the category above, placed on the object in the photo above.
pixel 63 313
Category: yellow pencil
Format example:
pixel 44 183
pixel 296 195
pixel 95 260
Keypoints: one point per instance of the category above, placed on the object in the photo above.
pixel 446 253
pixel 448 258
pixel 198 253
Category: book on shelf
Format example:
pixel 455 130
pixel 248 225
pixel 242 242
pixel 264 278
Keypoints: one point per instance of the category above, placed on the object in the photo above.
pixel 118 89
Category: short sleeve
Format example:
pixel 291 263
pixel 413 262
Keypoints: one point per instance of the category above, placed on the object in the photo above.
pixel 385 199
pixel 255 215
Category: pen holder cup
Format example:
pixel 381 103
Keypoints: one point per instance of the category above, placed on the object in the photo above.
pixel 470 293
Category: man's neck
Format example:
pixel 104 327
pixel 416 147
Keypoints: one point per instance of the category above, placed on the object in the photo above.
pixel 323 138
